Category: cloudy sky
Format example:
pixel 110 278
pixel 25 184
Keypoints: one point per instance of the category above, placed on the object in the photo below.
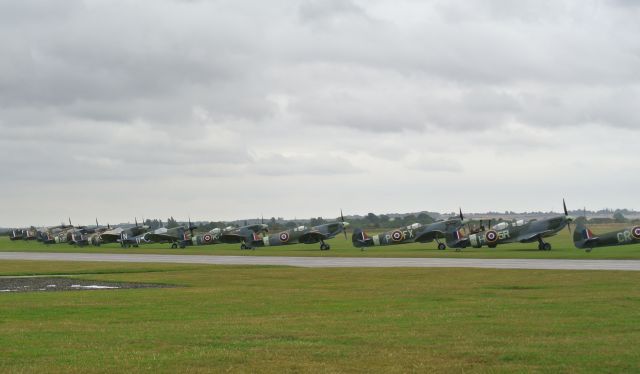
pixel 221 110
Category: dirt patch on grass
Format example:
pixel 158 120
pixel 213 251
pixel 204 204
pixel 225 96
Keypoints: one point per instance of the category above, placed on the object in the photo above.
pixel 50 284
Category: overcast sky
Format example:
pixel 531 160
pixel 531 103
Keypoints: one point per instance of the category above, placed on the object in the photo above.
pixel 220 110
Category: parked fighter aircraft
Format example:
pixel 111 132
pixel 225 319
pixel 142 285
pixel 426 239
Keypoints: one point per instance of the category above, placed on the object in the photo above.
pixel 24 234
pixel 125 236
pixel 178 236
pixel 56 234
pixel 584 238
pixel 244 234
pixel 451 230
pixel 87 235
pixel 522 232
pixel 301 234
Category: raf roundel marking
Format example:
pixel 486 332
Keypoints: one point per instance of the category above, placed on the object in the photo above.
pixel 635 232
pixel 396 236
pixel 207 238
pixel 284 237
pixel 491 236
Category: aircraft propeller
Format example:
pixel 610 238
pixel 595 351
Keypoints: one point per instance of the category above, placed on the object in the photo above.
pixel 191 227
pixel 566 214
pixel 344 229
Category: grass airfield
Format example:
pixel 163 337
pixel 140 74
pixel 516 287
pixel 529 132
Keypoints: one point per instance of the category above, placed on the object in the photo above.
pixel 284 319
pixel 562 248
pixel 281 319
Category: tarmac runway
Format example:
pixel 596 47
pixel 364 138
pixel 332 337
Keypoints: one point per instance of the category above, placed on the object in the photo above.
pixel 334 262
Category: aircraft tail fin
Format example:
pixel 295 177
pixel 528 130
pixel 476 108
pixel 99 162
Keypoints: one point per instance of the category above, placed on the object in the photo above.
pixel 14 235
pixel 583 237
pixel 360 239
pixel 456 237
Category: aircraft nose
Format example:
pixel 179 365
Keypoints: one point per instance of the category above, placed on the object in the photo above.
pixel 570 218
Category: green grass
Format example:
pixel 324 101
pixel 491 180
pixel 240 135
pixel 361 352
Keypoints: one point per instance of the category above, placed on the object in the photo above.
pixel 280 319
pixel 562 248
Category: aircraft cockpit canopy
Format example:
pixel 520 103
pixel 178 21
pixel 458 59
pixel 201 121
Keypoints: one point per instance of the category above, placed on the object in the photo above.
pixel 500 226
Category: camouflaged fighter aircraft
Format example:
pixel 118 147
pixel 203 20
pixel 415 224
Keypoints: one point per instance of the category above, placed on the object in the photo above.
pixel 230 235
pixel 300 234
pixel 583 238
pixel 522 232
pixel 130 236
pixel 450 229
pixel 24 234
pixel 88 235
pixel 178 236
pixel 56 234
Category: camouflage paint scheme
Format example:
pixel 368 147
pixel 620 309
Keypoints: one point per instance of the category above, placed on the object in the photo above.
pixel 451 230
pixel 229 235
pixel 178 236
pixel 30 233
pixel 125 236
pixel 300 234
pixel 583 238
pixel 520 232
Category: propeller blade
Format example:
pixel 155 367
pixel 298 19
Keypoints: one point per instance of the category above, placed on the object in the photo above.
pixel 461 216
pixel 70 222
pixel 136 220
pixel 341 217
pixel 569 227
pixel 564 205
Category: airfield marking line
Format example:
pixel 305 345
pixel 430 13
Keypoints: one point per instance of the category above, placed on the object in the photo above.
pixel 334 262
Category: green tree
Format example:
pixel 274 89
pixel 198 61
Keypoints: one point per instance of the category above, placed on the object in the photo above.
pixel 619 217
pixel 171 223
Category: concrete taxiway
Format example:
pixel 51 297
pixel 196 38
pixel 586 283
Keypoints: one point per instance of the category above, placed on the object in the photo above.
pixel 333 262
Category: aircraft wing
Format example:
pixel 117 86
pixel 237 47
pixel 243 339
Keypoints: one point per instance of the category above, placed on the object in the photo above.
pixel 159 238
pixel 312 237
pixel 232 238
pixel 529 237
pixel 429 236
pixel 110 237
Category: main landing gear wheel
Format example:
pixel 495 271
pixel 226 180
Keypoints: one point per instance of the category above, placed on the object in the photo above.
pixel 174 245
pixel 325 247
pixel 544 246
pixel 441 246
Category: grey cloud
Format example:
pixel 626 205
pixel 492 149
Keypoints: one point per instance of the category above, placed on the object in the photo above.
pixel 284 165
pixel 207 93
